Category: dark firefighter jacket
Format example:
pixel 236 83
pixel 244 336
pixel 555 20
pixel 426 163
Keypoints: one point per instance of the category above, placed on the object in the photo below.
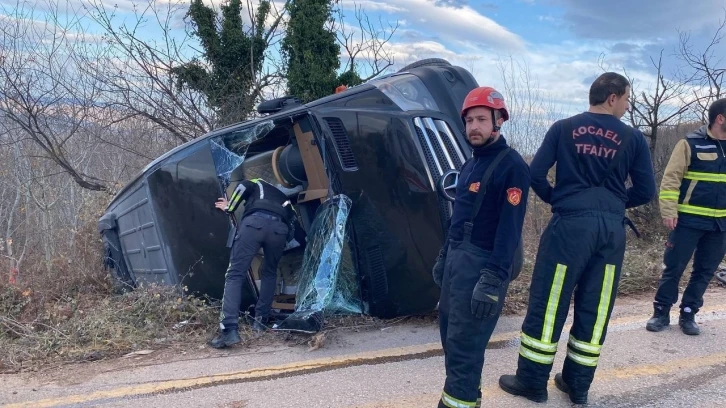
pixel 693 188
pixel 498 225
pixel 258 194
pixel 597 139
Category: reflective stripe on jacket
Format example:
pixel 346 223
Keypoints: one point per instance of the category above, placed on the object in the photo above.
pixel 693 187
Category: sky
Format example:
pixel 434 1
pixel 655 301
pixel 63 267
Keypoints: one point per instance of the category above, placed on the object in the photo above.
pixel 564 44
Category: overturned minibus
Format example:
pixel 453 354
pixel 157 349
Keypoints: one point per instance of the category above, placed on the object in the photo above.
pixel 369 171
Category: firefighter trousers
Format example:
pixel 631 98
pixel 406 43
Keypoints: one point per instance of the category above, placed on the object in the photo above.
pixel 464 338
pixel 257 230
pixel 580 252
pixel 709 247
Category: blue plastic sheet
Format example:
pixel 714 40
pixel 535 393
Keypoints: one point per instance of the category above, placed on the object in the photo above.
pixel 328 282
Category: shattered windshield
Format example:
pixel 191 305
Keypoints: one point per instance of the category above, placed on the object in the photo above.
pixel 229 150
pixel 328 280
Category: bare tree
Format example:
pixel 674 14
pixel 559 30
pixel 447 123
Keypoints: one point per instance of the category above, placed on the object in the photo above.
pixel 42 94
pixel 272 77
pixel 136 71
pixel 650 112
pixel 13 205
pixel 145 80
pixel 707 71
pixel 531 113
pixel 366 45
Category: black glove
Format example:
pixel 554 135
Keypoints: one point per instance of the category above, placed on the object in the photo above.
pixel 485 299
pixel 438 271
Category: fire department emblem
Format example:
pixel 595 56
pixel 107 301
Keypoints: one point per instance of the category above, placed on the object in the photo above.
pixel 514 195
pixel 474 187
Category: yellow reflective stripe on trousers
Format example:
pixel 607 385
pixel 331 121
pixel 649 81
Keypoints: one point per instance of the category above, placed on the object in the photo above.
pixel 582 360
pixel 704 211
pixel 604 307
pixel 536 357
pixel 452 402
pixel 539 345
pixel 700 176
pixel 584 346
pixel 552 303
pixel 669 195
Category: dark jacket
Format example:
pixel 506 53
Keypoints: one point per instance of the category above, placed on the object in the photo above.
pixel 498 224
pixel 597 139
pixel 693 187
pixel 259 195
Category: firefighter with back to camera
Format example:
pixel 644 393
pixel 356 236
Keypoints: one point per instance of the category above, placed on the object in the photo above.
pixel 581 250
pixel 266 223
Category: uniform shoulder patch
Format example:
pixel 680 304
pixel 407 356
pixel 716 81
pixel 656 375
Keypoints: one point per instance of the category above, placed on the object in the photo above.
pixel 514 195
pixel 474 187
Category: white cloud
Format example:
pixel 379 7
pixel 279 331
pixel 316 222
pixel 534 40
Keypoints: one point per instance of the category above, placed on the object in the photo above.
pixel 454 24
pixel 371 5
pixel 561 74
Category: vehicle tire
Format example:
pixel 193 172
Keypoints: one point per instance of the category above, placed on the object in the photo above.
pixel 721 276
pixel 120 284
pixel 122 280
pixel 433 62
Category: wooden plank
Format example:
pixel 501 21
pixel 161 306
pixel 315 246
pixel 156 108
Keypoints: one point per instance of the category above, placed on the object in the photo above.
pixel 313 163
pixel 310 195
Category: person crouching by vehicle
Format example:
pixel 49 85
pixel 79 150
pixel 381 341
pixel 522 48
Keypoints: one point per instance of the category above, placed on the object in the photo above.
pixel 265 223
pixel 693 207
pixel 474 265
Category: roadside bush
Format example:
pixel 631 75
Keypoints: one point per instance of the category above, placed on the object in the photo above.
pixel 97 325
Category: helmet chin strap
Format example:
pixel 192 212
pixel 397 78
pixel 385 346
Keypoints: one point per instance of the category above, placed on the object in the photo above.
pixel 494 123
pixel 490 140
pixel 495 129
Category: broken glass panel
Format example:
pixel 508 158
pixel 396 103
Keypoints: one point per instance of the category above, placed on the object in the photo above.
pixel 328 282
pixel 229 150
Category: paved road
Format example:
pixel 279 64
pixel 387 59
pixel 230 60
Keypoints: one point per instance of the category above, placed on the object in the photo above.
pixel 400 366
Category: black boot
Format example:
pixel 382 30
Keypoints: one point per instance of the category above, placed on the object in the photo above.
pixel 687 321
pixel 261 324
pixel 512 385
pixel 225 338
pixel 575 397
pixel 661 318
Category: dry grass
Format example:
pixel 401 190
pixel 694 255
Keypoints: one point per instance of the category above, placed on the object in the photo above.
pixel 96 325
pixel 46 321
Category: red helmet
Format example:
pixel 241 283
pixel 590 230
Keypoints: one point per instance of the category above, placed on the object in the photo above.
pixel 485 96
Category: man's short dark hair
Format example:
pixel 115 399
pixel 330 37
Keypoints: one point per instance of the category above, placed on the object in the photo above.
pixel 716 108
pixel 605 85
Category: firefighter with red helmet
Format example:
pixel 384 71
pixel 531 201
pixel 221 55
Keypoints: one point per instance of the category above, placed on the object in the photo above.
pixel 474 267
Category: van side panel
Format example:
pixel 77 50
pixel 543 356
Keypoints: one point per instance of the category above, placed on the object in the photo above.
pixel 195 232
pixel 138 233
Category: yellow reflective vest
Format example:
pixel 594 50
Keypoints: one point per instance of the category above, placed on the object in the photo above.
pixel 693 187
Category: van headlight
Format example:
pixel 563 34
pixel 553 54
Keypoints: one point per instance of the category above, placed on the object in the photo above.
pixel 407 91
